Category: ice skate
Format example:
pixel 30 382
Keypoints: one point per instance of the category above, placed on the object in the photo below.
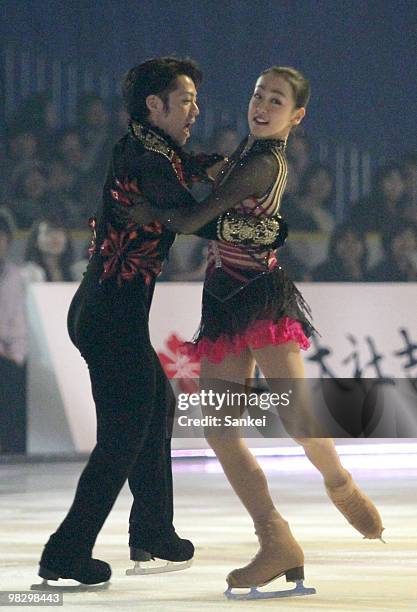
pixel 58 562
pixel 91 575
pixel 357 508
pixel 172 555
pixel 279 555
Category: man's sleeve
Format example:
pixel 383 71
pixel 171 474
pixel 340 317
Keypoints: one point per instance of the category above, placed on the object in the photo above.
pixel 159 183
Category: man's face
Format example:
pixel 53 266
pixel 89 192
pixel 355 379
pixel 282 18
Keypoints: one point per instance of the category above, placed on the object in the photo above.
pixel 176 121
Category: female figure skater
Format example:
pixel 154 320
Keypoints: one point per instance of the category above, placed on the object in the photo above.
pixel 252 313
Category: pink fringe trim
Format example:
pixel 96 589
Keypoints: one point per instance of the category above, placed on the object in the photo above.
pixel 260 334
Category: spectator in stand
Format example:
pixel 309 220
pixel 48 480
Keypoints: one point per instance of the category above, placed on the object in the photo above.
pixel 385 205
pixel 64 188
pixel 49 253
pixel 95 133
pixel 70 150
pixel 86 187
pixel 97 142
pixel 22 152
pixel 312 209
pixel 29 196
pixel 409 174
pixel 298 153
pixel 37 114
pixel 119 119
pixel 225 140
pixel 400 261
pixel 347 257
pixel 13 348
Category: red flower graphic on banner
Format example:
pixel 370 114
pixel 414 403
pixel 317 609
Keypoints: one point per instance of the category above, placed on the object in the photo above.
pixel 176 364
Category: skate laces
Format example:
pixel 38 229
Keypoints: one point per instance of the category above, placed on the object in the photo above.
pixel 360 512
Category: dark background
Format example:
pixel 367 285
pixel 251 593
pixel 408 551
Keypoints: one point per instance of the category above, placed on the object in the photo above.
pixel 359 56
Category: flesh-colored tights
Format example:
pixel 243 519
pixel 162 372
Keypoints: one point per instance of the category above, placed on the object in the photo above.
pixel 239 464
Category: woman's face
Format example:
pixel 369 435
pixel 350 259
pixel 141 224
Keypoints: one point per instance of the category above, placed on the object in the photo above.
pixel 271 112
pixel 51 240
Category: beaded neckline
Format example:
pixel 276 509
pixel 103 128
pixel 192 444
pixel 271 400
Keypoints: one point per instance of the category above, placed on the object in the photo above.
pixel 154 139
pixel 268 144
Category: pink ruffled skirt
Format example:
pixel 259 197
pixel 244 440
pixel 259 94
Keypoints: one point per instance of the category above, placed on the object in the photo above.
pixel 260 334
pixel 267 310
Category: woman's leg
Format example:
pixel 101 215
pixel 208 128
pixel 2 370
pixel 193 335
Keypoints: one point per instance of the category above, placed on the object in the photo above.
pixel 279 552
pixel 239 464
pixel 284 361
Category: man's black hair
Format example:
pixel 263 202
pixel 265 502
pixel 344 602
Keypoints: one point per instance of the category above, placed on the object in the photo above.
pixel 155 77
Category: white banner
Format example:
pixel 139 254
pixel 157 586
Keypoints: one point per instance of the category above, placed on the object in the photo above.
pixel 367 330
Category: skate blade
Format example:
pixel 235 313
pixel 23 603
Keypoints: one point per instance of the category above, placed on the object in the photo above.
pixel 77 588
pixel 142 568
pixel 298 591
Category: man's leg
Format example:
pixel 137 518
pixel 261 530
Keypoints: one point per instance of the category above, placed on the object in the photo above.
pixel 150 479
pixel 123 388
pixel 152 533
pixel 12 407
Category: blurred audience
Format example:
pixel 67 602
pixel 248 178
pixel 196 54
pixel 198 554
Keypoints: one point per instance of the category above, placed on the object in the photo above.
pixel 347 257
pixel 29 198
pixel 224 140
pixel 59 173
pixel 95 134
pixel 409 175
pixel 399 263
pixel 312 209
pixel 386 204
pixel 298 152
pixel 37 114
pixel 49 253
pixel 119 118
pixel 13 348
pixel 22 152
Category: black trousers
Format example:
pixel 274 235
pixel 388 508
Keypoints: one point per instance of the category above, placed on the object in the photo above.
pixel 12 407
pixel 134 406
